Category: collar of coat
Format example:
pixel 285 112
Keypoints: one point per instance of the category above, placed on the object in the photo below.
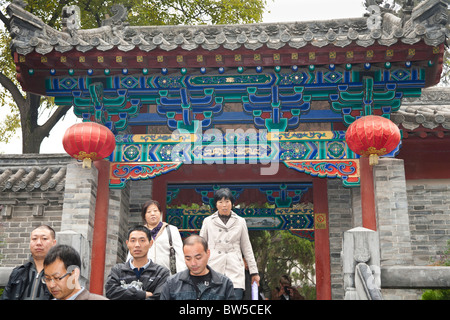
pixel 216 278
pixel 151 266
pixel 216 219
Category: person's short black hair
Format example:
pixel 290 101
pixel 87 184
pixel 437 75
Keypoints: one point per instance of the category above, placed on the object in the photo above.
pixel 223 193
pixel 68 255
pixel 140 228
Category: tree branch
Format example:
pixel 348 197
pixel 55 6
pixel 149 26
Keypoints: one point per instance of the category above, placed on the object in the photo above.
pixel 12 88
pixel 5 20
pixel 53 120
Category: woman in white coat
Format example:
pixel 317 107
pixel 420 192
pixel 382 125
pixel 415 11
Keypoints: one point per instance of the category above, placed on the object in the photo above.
pixel 228 241
pixel 162 233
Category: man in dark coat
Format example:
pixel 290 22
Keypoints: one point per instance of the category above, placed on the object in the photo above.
pixel 199 281
pixel 25 281
pixel 139 278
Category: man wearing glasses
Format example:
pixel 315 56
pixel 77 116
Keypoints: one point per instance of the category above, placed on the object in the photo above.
pixel 25 281
pixel 62 266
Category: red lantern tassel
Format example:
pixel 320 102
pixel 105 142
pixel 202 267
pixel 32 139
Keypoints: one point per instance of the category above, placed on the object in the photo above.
pixel 373 159
pixel 87 163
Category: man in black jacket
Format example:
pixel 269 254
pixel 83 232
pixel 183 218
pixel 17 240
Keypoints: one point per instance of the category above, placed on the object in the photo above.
pixel 25 281
pixel 139 278
pixel 199 281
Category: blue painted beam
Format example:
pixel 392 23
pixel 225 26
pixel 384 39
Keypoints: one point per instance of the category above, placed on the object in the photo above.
pixel 241 185
pixel 154 119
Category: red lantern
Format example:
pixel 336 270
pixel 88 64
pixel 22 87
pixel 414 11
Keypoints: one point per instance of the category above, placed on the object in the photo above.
pixel 89 141
pixel 372 136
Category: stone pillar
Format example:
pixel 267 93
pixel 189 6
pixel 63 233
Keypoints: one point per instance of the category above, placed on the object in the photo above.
pixel 140 192
pixel 79 206
pixel 80 244
pixel 118 220
pixel 340 220
pixel 392 211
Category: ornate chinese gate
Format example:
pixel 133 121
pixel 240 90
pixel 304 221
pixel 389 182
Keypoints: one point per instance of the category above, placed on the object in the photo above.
pixel 234 98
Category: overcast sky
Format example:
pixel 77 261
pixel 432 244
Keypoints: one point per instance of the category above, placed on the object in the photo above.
pixel 278 11
pixel 305 10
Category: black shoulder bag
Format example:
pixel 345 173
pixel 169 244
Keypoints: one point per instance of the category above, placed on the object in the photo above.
pixel 173 262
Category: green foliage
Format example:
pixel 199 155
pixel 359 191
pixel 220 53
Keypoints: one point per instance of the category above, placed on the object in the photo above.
pixel 439 294
pixel 280 252
pixel 186 206
pixel 192 12
pixel 154 12
pixel 11 121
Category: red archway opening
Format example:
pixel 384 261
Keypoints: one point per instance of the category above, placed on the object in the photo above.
pixel 246 173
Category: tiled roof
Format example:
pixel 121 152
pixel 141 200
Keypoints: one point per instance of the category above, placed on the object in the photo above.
pixel 430 111
pixel 30 179
pixel 426 22
pixel 31 172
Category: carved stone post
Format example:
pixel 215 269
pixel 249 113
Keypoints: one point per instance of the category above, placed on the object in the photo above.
pixel 361 264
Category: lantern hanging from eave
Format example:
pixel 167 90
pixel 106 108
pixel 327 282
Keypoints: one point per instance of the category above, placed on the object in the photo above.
pixel 372 136
pixel 88 141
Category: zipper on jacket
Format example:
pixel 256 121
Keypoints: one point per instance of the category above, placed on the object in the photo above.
pixel 36 283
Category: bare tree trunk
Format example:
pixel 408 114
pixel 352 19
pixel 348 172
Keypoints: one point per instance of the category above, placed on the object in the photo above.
pixel 32 133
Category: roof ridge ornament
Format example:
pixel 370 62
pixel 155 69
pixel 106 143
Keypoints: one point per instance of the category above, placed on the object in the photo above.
pixel 386 8
pixel 374 18
pixel 120 15
pixel 71 19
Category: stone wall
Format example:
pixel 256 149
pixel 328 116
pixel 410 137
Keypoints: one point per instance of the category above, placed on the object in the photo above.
pixel 124 212
pixel 393 222
pixel 141 192
pixel 392 210
pixel 413 222
pixel 118 216
pixel 340 220
pixel 28 200
pixel 429 216
pixel 79 200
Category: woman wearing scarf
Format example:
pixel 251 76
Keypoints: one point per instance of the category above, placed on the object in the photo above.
pixel 229 242
pixel 165 237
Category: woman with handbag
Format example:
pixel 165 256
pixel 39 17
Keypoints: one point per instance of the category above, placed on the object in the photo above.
pixel 167 248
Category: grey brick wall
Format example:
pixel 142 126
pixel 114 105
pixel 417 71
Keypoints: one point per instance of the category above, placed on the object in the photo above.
pixel 429 214
pixel 392 210
pixel 141 191
pixel 118 217
pixel 79 200
pixel 17 222
pixel 340 219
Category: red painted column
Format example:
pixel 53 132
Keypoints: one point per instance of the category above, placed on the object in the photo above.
pixel 159 193
pixel 322 239
pixel 369 218
pixel 100 228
